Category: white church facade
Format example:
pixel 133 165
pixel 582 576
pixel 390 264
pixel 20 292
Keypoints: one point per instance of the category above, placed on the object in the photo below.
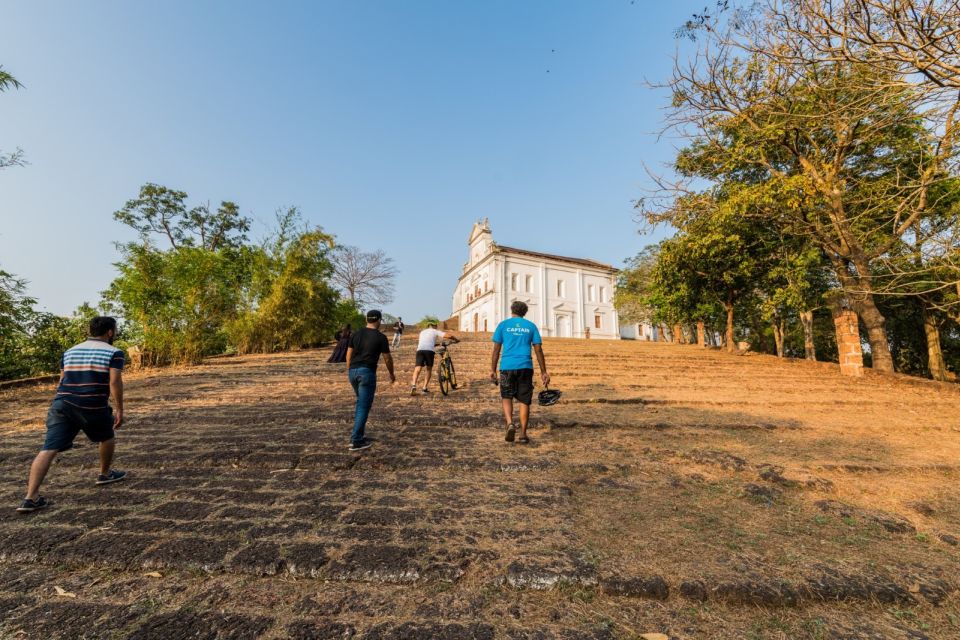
pixel 566 297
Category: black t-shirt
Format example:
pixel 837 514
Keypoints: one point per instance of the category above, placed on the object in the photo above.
pixel 367 345
pixel 398 327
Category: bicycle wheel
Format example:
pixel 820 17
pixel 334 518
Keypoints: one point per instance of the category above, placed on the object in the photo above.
pixel 443 378
pixel 452 374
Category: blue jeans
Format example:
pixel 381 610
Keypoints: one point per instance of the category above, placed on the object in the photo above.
pixel 364 382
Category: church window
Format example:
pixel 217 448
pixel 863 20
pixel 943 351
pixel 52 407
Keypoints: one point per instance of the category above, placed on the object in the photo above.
pixel 513 282
pixel 528 283
pixel 561 289
pixel 485 287
pixel 603 294
pixel 484 324
pixel 598 321
pixel 590 293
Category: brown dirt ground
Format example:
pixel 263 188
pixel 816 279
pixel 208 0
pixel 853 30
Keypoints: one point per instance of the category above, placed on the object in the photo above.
pixel 673 490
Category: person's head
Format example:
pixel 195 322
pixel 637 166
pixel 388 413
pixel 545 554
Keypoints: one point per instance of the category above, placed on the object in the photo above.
pixel 346 328
pixel 432 324
pixel 103 327
pixel 373 318
pixel 518 308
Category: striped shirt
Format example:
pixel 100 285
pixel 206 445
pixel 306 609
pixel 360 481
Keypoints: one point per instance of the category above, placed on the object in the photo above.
pixel 86 374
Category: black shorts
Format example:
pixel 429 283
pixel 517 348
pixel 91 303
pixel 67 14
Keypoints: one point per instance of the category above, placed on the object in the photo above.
pixel 65 421
pixel 517 384
pixel 425 358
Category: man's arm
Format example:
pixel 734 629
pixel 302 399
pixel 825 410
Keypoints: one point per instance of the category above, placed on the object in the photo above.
pixel 349 357
pixel 116 390
pixel 388 360
pixel 538 349
pixel 494 361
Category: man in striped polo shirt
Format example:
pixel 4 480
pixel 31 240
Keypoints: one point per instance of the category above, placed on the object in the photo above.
pixel 90 373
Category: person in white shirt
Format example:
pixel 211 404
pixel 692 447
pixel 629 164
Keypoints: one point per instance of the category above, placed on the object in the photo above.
pixel 426 350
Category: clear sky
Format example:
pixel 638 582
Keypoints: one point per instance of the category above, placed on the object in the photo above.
pixel 393 124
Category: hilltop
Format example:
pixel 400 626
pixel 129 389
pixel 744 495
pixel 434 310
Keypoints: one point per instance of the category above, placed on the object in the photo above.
pixel 674 490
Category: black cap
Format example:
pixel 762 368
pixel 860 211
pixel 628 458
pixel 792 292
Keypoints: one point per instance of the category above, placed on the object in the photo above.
pixel 374 315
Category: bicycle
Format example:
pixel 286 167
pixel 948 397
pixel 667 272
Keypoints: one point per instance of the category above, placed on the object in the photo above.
pixel 446 374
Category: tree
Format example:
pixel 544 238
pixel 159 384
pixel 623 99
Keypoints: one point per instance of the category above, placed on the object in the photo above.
pixel 16 157
pixel 291 302
pixel 162 211
pixel 364 277
pixel 16 313
pixel 844 141
pixel 635 286
pixel 179 300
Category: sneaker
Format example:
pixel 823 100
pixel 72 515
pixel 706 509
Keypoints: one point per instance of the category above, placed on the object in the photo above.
pixel 360 446
pixel 413 389
pixel 113 476
pixel 511 432
pixel 426 392
pixel 32 505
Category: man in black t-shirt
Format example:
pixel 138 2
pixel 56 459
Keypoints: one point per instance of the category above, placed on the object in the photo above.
pixel 397 332
pixel 363 354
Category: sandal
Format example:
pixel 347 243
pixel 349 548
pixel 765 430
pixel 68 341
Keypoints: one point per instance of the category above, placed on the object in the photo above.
pixel 523 440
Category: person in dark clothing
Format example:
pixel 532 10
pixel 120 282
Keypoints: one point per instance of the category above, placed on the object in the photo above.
pixel 363 354
pixel 343 341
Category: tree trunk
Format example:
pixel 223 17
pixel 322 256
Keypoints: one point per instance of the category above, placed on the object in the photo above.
pixel 809 350
pixel 701 338
pixel 778 325
pixel 935 361
pixel 678 334
pixel 728 305
pixel 860 293
pixel 875 323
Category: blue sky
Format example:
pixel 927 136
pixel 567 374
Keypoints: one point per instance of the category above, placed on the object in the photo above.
pixel 392 124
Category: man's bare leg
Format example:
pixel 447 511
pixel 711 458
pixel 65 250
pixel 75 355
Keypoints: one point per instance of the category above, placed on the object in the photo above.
pixel 508 411
pixel 426 382
pixel 416 376
pixel 38 471
pixel 524 419
pixel 106 455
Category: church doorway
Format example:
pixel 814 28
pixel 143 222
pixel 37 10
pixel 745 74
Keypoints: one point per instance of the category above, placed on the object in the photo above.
pixel 476 322
pixel 563 326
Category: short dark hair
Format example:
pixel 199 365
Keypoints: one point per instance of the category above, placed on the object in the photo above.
pixel 518 308
pixel 101 324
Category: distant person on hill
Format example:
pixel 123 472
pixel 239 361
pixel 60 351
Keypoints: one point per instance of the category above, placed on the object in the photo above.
pixel 363 354
pixel 514 337
pixel 343 341
pixel 426 351
pixel 397 332
pixel 89 373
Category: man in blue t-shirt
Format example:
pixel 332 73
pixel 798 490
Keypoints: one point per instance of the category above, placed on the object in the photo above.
pixel 514 337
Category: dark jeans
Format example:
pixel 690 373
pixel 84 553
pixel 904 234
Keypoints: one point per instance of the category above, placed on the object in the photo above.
pixel 364 382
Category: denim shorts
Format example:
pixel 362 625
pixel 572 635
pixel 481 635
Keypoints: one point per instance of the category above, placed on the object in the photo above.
pixel 65 421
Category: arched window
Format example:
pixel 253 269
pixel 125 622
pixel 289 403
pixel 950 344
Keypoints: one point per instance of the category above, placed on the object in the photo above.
pixel 513 282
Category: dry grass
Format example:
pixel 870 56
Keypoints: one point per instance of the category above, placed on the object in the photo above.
pixel 673 490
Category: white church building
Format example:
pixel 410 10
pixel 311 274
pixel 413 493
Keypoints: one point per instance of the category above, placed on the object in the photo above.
pixel 567 297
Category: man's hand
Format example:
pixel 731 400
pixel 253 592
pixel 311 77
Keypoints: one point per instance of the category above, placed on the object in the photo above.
pixel 493 376
pixel 393 380
pixel 117 419
pixel 546 378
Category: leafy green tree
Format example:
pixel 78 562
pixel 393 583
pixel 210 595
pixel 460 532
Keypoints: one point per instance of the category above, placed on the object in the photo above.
pixel 16 313
pixel 290 302
pixel 14 158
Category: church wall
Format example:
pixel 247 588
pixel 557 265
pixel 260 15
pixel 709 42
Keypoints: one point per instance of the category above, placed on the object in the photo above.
pixel 557 292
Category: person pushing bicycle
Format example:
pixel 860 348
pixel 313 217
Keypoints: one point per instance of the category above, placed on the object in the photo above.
pixel 426 352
